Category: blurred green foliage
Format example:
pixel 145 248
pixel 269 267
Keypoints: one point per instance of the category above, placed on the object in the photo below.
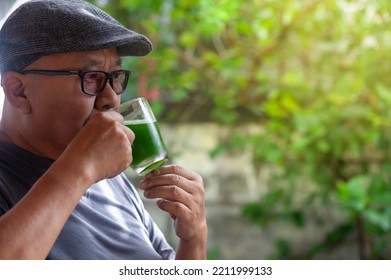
pixel 314 74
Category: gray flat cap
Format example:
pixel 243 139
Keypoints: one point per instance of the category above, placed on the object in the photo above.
pixel 43 27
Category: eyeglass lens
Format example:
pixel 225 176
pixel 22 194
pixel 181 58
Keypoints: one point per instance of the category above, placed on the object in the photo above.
pixel 95 81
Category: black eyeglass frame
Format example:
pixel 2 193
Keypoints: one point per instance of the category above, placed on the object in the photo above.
pixel 108 77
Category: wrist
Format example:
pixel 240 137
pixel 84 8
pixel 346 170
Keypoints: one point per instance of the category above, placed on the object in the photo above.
pixel 193 248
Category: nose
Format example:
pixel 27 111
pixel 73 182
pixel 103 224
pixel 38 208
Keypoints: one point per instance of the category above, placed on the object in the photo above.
pixel 108 99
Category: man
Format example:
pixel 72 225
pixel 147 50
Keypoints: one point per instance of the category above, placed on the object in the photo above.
pixel 63 147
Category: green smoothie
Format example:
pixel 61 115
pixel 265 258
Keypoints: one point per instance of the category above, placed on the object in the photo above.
pixel 148 148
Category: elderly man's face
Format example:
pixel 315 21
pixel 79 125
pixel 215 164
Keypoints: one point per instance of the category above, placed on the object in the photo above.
pixel 59 108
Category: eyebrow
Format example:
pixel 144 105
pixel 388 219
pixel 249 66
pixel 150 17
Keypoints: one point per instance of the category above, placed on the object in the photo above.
pixel 89 62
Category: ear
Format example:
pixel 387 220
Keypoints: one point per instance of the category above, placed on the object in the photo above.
pixel 14 90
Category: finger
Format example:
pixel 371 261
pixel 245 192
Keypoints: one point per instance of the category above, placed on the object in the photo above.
pixel 164 180
pixel 130 134
pixel 175 169
pixel 115 115
pixel 175 209
pixel 170 193
pixel 111 113
pixel 171 187
pixel 173 175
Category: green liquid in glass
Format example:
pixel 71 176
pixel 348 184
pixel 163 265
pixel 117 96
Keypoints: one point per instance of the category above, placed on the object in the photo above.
pixel 148 148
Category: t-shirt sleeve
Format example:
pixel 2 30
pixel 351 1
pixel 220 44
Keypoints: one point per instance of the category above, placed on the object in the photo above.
pixel 156 236
pixel 3 206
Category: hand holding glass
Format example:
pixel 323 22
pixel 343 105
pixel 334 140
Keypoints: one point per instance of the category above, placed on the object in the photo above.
pixel 149 151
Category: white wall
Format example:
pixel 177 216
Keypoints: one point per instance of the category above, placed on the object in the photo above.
pixel 17 4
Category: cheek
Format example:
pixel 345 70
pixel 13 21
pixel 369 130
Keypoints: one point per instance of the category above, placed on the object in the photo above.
pixel 64 118
pixel 67 122
pixel 68 110
pixel 68 100
pixel 60 107
pixel 75 114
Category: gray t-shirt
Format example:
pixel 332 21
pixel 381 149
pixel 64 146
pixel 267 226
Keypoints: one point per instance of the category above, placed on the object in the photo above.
pixel 109 222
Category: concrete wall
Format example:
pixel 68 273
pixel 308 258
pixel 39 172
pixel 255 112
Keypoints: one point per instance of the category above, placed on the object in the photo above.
pixel 230 181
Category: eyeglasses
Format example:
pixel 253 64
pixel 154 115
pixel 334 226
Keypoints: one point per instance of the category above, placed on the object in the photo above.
pixel 92 82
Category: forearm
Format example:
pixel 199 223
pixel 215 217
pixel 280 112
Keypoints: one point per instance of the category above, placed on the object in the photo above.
pixel 30 228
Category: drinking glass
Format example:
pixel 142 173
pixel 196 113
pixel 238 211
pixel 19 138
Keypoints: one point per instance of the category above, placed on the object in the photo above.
pixel 149 151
